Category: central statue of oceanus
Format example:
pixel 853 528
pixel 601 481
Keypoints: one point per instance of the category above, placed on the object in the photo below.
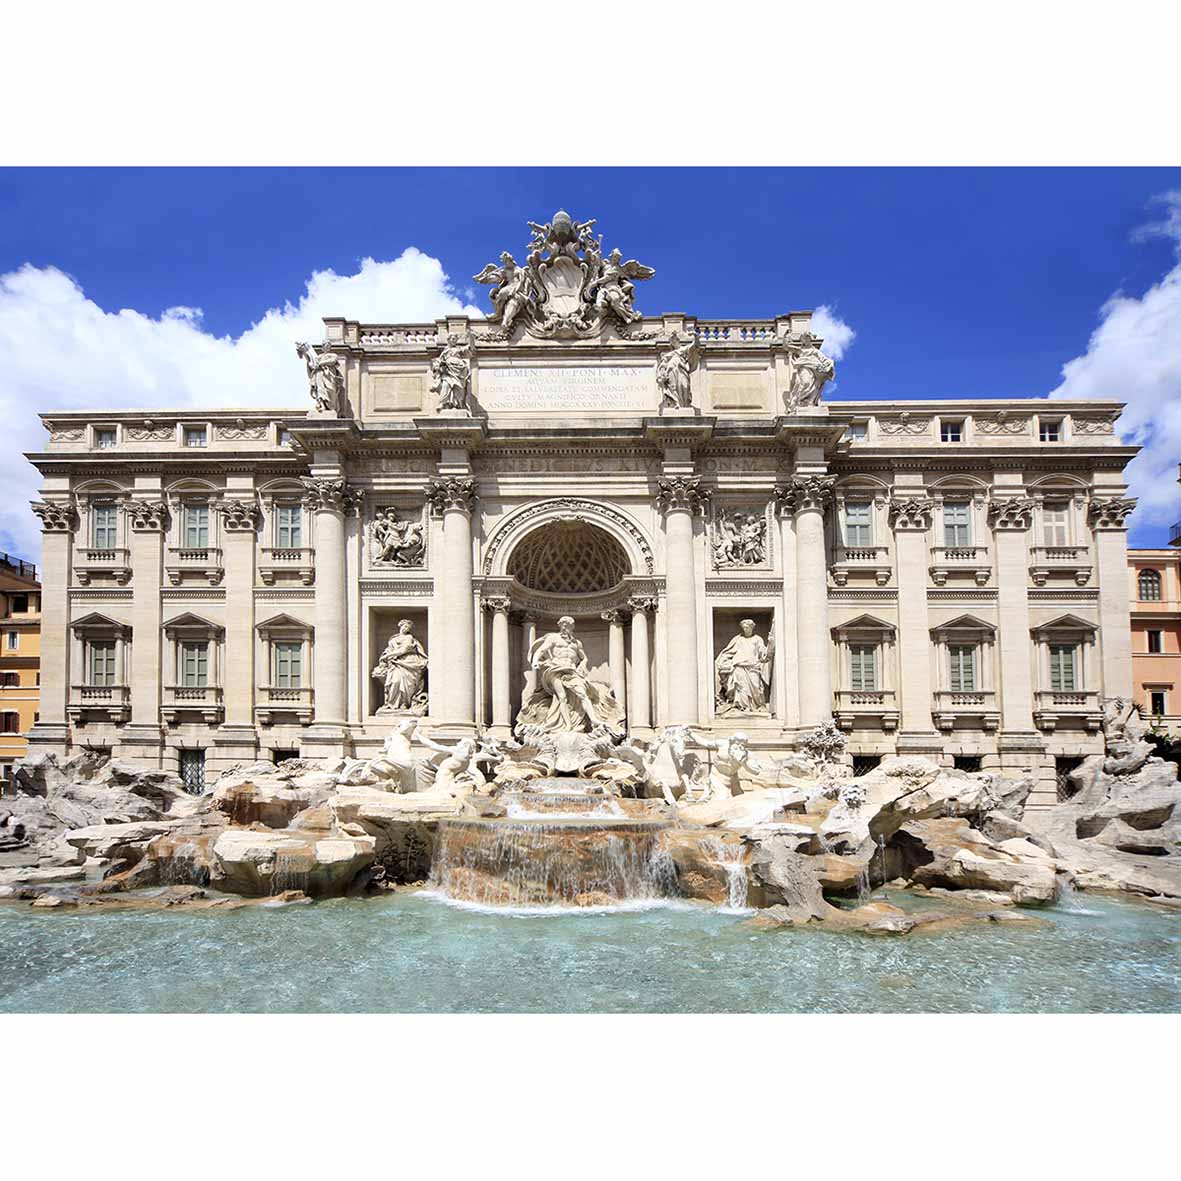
pixel 567 288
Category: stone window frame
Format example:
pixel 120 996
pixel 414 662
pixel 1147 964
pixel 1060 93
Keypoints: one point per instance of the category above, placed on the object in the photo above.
pixel 862 490
pixel 866 630
pixel 286 492
pixel 958 490
pixel 279 629
pixel 188 492
pixel 1061 421
pixel 189 628
pixel 96 626
pixel 1148 574
pixel 1067 630
pixel 98 427
pixel 952 420
pixel 1055 490
pixel 967 631
pixel 182 429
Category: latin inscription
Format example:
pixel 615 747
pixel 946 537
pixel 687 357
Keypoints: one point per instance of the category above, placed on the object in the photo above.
pixel 566 388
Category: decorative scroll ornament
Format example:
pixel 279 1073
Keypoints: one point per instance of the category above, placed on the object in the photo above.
pixel 394 542
pixel 905 424
pixel 684 493
pixel 328 495
pixel 672 373
pixel 567 288
pixel 151 432
pixel 456 492
pixel 804 492
pixel 54 517
pixel 238 516
pixel 66 434
pixel 242 430
pixel 1003 423
pixel 811 370
pixel 1111 512
pixel 496 603
pixel 911 512
pixel 451 372
pixel 325 380
pixel 739 539
pixel 148 516
pixel 1103 425
pixel 1016 512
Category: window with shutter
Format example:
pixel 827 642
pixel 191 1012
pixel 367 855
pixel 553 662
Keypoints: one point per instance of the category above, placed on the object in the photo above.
pixel 194 664
pixel 103 522
pixel 196 526
pixel 288 526
pixel 1056 523
pixel 1063 677
pixel 288 664
pixel 963 668
pixel 102 662
pixel 862 667
pixel 957 527
pixel 858 525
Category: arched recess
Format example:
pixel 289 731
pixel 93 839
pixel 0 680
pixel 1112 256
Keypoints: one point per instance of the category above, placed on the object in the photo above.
pixel 571 510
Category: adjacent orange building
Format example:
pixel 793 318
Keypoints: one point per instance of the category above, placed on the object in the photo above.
pixel 1155 576
pixel 20 658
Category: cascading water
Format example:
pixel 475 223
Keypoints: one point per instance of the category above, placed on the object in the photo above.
pixel 731 856
pixel 557 846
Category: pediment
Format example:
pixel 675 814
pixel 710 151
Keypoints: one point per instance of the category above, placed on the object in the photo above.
pixel 190 622
pixel 965 623
pixel 95 621
pixel 284 623
pixel 1065 623
pixel 865 623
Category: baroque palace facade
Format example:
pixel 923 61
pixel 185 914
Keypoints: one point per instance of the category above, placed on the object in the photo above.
pixel 947 578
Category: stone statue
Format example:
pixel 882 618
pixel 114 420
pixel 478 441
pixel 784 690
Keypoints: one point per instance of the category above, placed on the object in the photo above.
pixel 743 673
pixel 452 370
pixel 395 769
pixel 672 374
pixel 402 667
pixel 458 773
pixel 564 698
pixel 400 543
pixel 740 539
pixel 732 762
pixel 611 290
pixel 512 292
pixel 811 370
pixel 325 379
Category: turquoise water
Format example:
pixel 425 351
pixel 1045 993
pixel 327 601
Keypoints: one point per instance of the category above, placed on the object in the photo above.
pixel 409 953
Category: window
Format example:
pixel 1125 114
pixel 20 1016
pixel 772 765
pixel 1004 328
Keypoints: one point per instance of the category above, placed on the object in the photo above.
pixel 864 764
pixel 194 436
pixel 196 530
pixel 951 430
pixel 288 526
pixel 284 437
pixel 957 523
pixel 1063 668
pixel 12 724
pixel 14 641
pixel 863 672
pixel 288 664
pixel 1050 430
pixel 194 664
pixel 1157 703
pixel 283 756
pixel 1064 767
pixel 1154 642
pixel 101 662
pixel 103 522
pixel 969 763
pixel 857 432
pixel 1056 522
pixel 10 680
pixel 1150 586
pixel 192 770
pixel 20 604
pixel 962 677
pixel 858 524
pixel 105 437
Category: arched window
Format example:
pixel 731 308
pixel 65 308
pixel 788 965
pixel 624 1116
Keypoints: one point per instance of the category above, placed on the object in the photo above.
pixel 1150 586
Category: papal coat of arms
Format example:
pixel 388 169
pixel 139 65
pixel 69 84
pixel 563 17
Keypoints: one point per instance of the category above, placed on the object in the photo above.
pixel 567 288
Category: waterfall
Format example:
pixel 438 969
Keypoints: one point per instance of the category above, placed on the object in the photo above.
pixel 731 856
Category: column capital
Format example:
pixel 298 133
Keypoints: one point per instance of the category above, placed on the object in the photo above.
pixel 496 603
pixel 328 494
pixel 612 616
pixel 1012 512
pixel 803 492
pixel 56 517
pixel 682 493
pixel 238 516
pixel 640 604
pixel 1110 512
pixel 911 513
pixel 148 516
pixel 454 492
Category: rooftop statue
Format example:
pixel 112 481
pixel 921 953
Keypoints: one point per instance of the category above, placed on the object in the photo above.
pixel 566 289
pixel 325 379
pixel 672 374
pixel 811 371
pixel 451 371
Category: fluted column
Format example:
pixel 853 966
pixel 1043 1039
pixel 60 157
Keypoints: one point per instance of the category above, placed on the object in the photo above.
pixel 681 498
pixel 810 496
pixel 453 628
pixel 640 713
pixel 910 518
pixel 58 521
pixel 329 499
pixel 1109 524
pixel 615 655
pixel 501 672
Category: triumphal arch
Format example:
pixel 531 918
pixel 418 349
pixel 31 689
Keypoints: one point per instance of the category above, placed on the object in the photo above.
pixel 575 516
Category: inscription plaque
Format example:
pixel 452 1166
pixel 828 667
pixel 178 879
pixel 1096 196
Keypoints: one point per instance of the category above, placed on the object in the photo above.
pixel 613 387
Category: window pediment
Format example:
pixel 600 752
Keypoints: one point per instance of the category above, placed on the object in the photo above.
pixel 1064 625
pixel 97 624
pixel 194 626
pixel 964 627
pixel 864 625
pixel 282 626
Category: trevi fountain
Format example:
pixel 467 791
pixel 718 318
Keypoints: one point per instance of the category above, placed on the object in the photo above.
pixel 483 800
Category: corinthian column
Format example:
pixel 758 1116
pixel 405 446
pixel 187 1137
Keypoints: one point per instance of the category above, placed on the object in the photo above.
pixel 615 656
pixel 501 680
pixel 1109 523
pixel 453 626
pixel 681 498
pixel 329 499
pixel 58 520
pixel 809 496
pixel 640 711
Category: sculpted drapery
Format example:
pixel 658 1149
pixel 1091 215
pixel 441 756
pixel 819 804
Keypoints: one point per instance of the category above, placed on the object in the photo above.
pixel 402 666
pixel 743 672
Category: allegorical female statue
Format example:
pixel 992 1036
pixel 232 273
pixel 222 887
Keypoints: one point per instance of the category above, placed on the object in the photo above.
pixel 743 673
pixel 564 697
pixel 325 380
pixel 672 374
pixel 402 666
pixel 451 370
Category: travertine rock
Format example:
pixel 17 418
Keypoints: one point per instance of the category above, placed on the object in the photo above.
pixel 253 863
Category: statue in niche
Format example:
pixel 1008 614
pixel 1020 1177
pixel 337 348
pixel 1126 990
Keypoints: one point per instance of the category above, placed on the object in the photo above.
pixel 811 370
pixel 451 371
pixel 400 543
pixel 740 539
pixel 564 698
pixel 672 374
pixel 743 673
pixel 402 667
pixel 512 291
pixel 325 379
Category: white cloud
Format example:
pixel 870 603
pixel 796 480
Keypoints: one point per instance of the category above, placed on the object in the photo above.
pixel 1134 356
pixel 838 335
pixel 63 352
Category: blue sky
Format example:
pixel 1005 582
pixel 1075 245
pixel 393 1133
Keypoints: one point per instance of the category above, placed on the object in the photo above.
pixel 957 282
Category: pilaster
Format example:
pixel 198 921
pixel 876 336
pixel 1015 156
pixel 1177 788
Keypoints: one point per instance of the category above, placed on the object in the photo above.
pixel 1108 520
pixel 58 522
pixel 1010 518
